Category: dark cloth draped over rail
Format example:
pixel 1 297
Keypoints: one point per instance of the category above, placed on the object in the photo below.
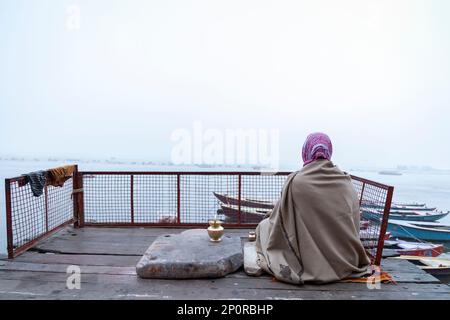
pixel 55 177
pixel 37 181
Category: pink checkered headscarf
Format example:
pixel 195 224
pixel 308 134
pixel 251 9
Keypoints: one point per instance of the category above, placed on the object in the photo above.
pixel 317 146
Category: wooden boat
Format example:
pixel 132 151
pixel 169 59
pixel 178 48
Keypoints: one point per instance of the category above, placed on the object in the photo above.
pixel 415 248
pixel 415 212
pixel 364 224
pixel 418 216
pixel 419 230
pixel 369 238
pixel 377 205
pixel 372 234
pixel 434 266
pixel 411 204
pixel 390 173
pixel 249 215
pixel 245 202
pixel 255 215
pixel 376 215
pixel 395 207
pixel 412 208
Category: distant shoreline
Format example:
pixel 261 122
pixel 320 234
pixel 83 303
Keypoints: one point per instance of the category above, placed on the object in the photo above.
pixel 127 162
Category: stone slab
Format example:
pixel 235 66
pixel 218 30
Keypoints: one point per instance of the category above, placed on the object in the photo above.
pixel 251 266
pixel 190 255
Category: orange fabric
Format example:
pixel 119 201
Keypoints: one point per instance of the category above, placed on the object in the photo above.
pixel 57 176
pixel 383 277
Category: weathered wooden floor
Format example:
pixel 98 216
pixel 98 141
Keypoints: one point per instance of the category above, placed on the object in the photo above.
pixel 107 258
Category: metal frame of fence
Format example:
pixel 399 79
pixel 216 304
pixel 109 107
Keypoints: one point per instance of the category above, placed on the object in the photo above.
pixel 124 198
pixel 382 194
pixel 30 219
pixel 182 181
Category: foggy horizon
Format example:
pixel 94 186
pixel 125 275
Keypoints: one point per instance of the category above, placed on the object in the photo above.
pixel 102 79
pixel 146 161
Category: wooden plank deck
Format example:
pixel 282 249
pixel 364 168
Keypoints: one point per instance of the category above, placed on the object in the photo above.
pixel 107 257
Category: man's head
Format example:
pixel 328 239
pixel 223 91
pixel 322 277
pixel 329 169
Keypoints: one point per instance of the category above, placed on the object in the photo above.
pixel 317 146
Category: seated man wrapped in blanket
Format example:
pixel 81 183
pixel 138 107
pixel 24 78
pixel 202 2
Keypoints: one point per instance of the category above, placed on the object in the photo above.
pixel 312 234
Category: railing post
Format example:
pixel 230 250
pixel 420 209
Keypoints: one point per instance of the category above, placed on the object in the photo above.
pixel 362 193
pixel 132 198
pixel 78 199
pixel 383 227
pixel 46 207
pixel 9 231
pixel 75 197
pixel 178 199
pixel 239 198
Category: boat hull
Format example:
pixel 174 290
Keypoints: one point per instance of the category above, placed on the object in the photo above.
pixel 376 205
pixel 434 252
pixel 418 249
pixel 247 216
pixel 416 205
pixel 414 232
pixel 376 216
pixel 250 203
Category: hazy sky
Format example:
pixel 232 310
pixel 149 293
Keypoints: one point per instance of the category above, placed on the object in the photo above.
pixel 374 75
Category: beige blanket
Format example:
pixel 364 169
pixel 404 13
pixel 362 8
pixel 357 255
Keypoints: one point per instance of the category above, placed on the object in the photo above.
pixel 312 234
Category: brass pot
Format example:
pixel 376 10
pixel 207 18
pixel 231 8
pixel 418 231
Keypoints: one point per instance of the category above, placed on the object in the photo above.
pixel 215 230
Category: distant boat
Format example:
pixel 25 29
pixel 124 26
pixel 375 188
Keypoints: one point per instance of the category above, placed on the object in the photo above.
pixel 419 230
pixel 369 237
pixel 377 215
pixel 364 224
pixel 415 248
pixel 396 207
pixel 417 212
pixel 390 173
pixel 245 202
pixel 410 204
pixel 372 233
pixel 412 208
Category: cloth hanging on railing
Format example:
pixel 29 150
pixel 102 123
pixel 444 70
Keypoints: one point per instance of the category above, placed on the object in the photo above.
pixel 37 181
pixel 57 176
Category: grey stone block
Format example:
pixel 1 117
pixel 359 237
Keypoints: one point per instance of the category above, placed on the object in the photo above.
pixel 189 255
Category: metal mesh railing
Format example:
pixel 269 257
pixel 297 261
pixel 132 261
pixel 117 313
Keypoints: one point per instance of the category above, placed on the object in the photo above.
pixel 183 199
pixel 127 199
pixel 375 205
pixel 197 201
pixel 31 218
pixel 178 198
